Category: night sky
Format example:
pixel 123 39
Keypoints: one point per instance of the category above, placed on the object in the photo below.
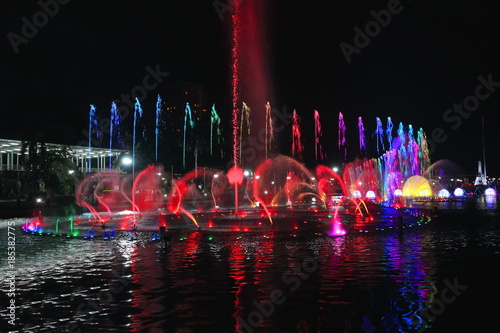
pixel 429 57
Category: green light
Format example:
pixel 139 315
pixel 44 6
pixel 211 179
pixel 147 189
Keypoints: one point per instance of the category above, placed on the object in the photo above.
pixel 75 233
pixel 210 238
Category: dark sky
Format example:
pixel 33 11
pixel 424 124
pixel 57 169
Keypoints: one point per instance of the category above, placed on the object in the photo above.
pixel 425 60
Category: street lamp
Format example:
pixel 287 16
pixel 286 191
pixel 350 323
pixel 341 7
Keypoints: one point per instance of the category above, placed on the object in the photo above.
pixel 127 161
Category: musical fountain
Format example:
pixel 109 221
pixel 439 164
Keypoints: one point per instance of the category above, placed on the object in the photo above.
pixel 281 194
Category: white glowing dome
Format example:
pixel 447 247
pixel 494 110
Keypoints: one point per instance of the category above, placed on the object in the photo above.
pixel 490 191
pixel 444 193
pixel 356 194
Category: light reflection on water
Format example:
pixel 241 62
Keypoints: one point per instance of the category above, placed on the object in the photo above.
pixel 226 282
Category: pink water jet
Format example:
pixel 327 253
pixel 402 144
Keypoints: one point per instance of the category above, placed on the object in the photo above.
pixel 337 228
pixel 318 148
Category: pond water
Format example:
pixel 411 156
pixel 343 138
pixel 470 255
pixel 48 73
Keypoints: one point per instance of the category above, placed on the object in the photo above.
pixel 434 277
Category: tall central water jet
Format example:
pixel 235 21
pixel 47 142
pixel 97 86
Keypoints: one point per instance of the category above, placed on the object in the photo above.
pixel 235 82
pixel 250 79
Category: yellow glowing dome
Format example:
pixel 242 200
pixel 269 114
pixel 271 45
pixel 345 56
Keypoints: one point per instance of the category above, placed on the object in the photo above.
pixel 417 186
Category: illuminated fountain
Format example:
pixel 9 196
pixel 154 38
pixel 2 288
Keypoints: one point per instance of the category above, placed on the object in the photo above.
pixel 281 193
pixel 114 130
pixel 269 129
pixel 92 125
pixel 245 123
pixel 342 140
pixel 187 115
pixel 235 176
pixel 318 148
pixel 379 133
pixel 386 176
pixel 214 123
pixel 157 124
pixel 417 186
pixel 297 146
pixel 362 140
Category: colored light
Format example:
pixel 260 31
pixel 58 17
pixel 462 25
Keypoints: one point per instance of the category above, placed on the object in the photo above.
pixel 444 193
pixel 489 191
pixel 356 194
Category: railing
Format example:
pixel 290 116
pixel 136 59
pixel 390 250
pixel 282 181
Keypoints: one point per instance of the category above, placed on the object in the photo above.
pixel 6 167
